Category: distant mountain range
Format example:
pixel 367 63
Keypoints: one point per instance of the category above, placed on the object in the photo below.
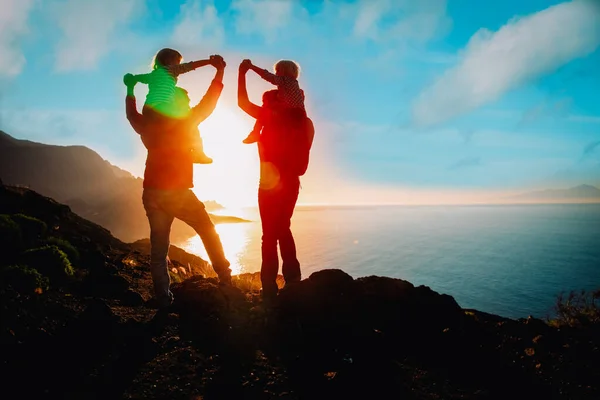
pixel 90 185
pixel 584 193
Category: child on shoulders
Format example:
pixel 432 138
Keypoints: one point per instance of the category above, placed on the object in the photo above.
pixel 160 106
pixel 290 96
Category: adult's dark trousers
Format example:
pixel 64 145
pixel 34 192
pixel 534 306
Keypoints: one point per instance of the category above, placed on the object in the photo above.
pixel 276 206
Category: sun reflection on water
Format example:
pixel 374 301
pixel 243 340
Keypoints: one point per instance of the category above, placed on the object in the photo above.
pixel 235 238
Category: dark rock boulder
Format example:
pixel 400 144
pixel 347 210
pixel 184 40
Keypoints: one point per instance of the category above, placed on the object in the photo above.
pixel 200 297
pixel 322 308
pixel 131 298
pixel 330 303
pixel 398 306
pixel 208 311
pixel 98 312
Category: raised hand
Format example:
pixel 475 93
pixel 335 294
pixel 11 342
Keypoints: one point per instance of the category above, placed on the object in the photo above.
pixel 217 61
pixel 245 65
pixel 129 80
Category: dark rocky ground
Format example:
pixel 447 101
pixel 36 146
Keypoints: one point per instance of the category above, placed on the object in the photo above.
pixel 91 336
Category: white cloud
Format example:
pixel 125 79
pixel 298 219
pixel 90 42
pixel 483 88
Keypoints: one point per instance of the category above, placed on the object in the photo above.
pixel 89 30
pixel 401 20
pixel 369 14
pixel 13 25
pixel 263 17
pixel 199 26
pixel 522 50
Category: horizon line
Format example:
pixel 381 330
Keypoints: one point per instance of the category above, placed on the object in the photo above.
pixel 388 204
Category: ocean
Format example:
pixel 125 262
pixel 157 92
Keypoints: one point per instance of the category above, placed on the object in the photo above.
pixel 510 260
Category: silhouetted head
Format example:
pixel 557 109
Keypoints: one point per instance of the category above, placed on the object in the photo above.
pixel 269 97
pixel 166 57
pixel 287 68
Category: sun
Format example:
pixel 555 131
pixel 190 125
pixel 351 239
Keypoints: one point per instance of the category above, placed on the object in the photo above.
pixel 232 179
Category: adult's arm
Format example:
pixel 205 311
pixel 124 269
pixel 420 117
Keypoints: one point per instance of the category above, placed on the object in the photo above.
pixel 209 101
pixel 152 135
pixel 133 116
pixel 243 101
pixel 138 123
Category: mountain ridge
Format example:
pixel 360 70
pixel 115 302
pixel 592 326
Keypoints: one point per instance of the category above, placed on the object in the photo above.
pixel 93 187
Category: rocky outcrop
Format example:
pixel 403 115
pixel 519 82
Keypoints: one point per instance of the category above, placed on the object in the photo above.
pixel 328 336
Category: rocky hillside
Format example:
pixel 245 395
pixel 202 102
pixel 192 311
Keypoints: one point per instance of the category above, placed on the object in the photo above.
pixel 91 186
pixel 76 323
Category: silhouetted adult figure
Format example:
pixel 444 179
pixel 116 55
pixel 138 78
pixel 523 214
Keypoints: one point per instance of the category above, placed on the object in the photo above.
pixel 283 152
pixel 168 179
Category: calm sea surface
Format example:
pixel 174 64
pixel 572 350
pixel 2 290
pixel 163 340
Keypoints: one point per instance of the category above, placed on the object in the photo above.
pixel 508 260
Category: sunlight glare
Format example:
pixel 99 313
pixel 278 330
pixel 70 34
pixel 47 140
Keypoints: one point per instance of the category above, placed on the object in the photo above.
pixel 232 179
pixel 235 239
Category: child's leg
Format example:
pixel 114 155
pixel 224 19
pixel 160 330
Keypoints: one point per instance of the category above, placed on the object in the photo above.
pixel 198 149
pixel 299 114
pixel 254 136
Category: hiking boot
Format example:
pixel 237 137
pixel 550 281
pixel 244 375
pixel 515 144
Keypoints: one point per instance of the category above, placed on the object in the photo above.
pixel 289 286
pixel 268 296
pixel 253 137
pixel 201 158
pixel 292 282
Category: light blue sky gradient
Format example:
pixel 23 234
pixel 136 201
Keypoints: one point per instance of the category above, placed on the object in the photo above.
pixel 463 94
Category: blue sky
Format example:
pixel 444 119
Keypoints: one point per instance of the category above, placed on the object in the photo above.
pixel 458 95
